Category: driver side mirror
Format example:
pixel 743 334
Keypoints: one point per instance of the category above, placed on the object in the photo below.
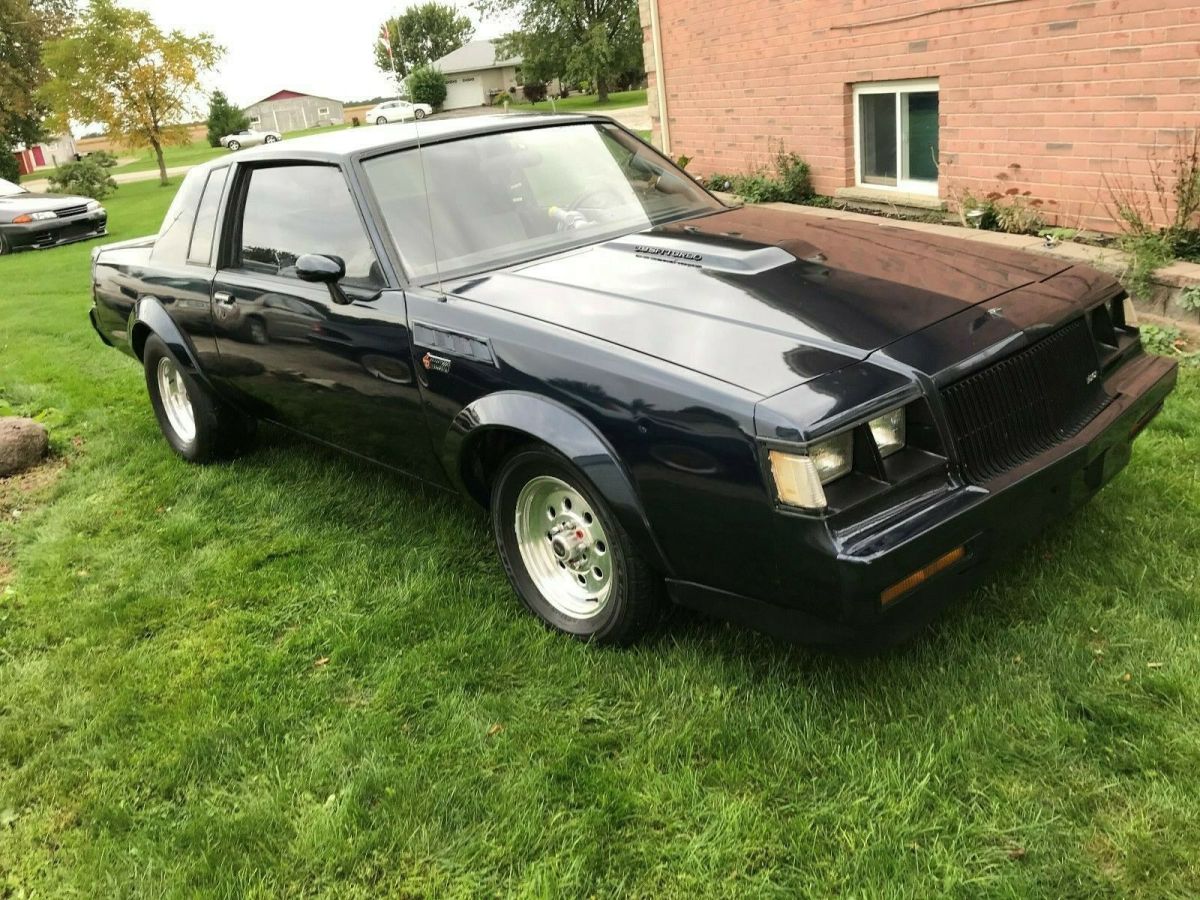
pixel 328 270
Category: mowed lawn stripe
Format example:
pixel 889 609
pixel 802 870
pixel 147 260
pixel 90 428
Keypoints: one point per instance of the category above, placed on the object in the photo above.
pixel 298 674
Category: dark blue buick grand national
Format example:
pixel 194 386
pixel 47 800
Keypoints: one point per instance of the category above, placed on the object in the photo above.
pixel 820 428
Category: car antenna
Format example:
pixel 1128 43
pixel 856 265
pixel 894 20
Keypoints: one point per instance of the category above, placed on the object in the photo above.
pixel 437 264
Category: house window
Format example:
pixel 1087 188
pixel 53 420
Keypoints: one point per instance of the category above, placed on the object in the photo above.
pixel 256 120
pixel 322 110
pixel 896 135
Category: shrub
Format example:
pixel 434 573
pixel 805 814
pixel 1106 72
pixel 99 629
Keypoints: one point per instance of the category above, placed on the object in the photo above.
pixel 223 119
pixel 1174 199
pixel 787 180
pixel 535 91
pixel 9 170
pixel 86 178
pixel 427 85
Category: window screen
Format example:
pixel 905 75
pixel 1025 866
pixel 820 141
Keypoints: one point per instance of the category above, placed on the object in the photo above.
pixel 293 210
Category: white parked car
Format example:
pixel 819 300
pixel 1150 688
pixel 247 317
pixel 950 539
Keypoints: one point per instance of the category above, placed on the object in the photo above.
pixel 249 138
pixel 398 111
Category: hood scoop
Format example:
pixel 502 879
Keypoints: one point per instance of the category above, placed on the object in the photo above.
pixel 701 251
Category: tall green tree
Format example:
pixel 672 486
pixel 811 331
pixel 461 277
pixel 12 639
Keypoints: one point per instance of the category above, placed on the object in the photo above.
pixel 420 35
pixel 599 41
pixel 224 118
pixel 24 26
pixel 116 67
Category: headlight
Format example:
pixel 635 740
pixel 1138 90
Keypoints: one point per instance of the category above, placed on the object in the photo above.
pixel 799 477
pixel 26 218
pixel 888 431
pixel 93 205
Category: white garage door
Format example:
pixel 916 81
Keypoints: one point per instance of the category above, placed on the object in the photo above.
pixel 463 91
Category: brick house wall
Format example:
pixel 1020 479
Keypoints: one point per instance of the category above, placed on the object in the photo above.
pixel 1054 95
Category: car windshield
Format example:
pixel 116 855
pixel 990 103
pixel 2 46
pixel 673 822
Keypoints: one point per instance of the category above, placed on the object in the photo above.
pixel 8 189
pixel 498 199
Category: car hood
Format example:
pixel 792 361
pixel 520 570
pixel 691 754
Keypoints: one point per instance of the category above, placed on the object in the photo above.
pixel 759 298
pixel 31 202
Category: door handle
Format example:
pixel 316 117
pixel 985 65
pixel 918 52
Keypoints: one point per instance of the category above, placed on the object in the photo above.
pixel 224 298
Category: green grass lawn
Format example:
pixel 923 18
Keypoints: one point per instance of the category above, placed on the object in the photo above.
pixel 190 154
pixel 586 102
pixel 297 675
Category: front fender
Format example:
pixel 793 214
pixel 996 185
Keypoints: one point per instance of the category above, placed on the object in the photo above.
pixel 150 317
pixel 561 428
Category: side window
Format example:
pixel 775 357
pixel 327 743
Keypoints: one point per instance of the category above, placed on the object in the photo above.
pixel 200 251
pixel 170 247
pixel 293 210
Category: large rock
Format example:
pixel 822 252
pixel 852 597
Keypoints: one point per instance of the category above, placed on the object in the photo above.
pixel 23 443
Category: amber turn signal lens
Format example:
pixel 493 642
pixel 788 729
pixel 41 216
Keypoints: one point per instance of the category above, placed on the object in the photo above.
pixel 919 577
pixel 23 219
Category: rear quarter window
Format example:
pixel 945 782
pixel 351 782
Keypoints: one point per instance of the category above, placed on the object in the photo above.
pixel 176 233
pixel 201 247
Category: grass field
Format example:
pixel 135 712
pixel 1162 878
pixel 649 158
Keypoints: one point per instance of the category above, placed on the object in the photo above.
pixel 587 102
pixel 190 154
pixel 297 675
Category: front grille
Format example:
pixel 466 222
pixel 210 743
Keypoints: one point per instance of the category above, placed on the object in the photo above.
pixel 1025 404
pixel 71 211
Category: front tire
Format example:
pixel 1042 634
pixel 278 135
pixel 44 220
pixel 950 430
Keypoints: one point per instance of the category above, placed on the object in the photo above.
pixel 197 425
pixel 234 146
pixel 565 553
pixel 382 120
pixel 3 246
pixel 270 139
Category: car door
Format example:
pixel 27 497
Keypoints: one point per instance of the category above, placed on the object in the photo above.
pixel 291 354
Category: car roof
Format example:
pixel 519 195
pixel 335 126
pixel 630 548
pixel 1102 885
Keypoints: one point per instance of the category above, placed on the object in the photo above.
pixel 350 143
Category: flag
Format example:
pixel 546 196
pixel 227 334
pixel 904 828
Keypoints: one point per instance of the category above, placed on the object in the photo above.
pixel 386 39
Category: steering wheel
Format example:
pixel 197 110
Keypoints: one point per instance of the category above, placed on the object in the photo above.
pixel 596 192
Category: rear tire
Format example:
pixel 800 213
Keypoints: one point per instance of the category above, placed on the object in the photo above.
pixel 419 113
pixel 566 554
pixel 198 426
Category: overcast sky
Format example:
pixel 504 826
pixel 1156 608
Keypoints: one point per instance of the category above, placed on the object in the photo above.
pixel 324 49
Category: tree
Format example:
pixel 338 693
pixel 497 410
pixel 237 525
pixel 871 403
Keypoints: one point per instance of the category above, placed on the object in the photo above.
pixel 24 26
pixel 224 118
pixel 115 66
pixel 599 41
pixel 427 85
pixel 420 35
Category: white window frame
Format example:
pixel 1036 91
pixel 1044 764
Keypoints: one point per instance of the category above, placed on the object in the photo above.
pixel 322 110
pixel 256 120
pixel 902 185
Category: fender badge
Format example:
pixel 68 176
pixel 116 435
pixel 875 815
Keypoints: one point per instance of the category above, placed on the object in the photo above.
pixel 435 363
pixel 996 312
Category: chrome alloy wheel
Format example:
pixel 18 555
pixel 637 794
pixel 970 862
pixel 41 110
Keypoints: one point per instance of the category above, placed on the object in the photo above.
pixel 564 547
pixel 172 390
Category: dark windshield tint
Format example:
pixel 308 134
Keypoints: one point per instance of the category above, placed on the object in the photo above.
pixel 500 198
pixel 200 251
pixel 294 210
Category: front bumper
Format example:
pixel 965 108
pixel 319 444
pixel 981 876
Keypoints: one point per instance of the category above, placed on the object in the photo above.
pixel 985 520
pixel 55 232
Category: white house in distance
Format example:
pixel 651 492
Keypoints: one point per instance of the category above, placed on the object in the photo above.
pixel 49 153
pixel 474 75
pixel 286 111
